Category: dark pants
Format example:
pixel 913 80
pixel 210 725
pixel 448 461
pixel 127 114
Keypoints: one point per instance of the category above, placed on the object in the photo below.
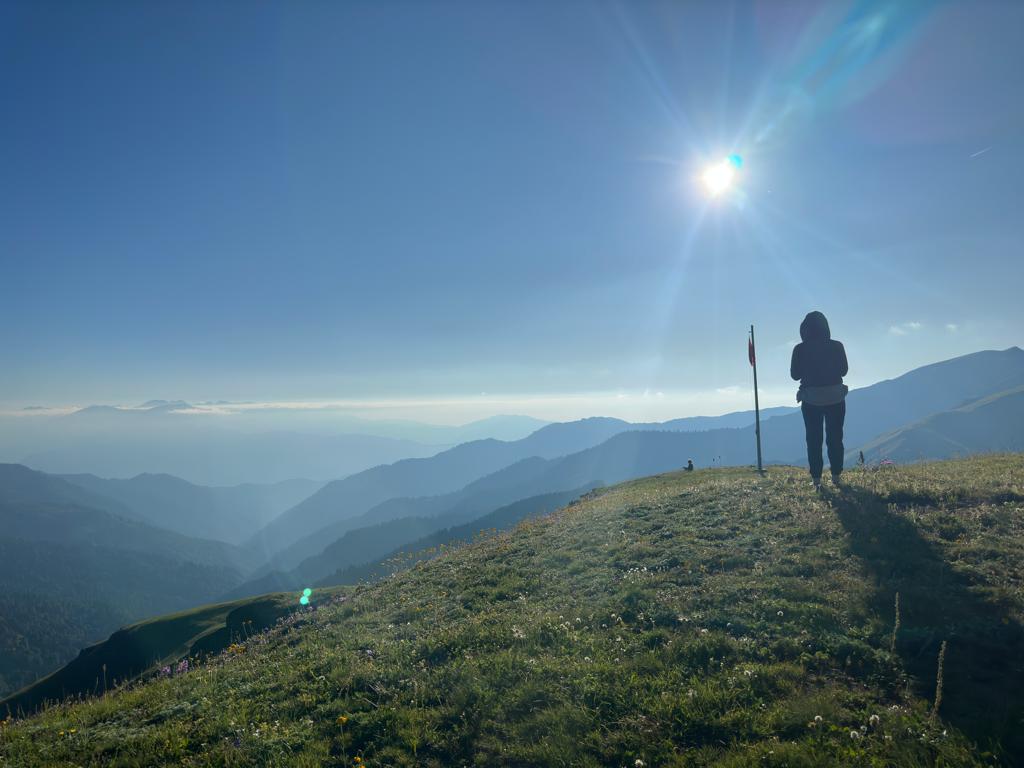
pixel 832 416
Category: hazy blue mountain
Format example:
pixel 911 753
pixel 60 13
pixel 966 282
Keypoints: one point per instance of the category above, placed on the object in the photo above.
pixel 396 521
pixel 446 472
pixel 420 549
pixel 69 559
pixel 725 421
pixel 35 506
pixel 994 423
pixel 500 427
pixel 229 514
pixel 19 484
pixel 404 521
pixel 210 444
pixel 297 534
pixel 217 457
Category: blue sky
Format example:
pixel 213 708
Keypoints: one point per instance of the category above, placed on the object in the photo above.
pixel 419 203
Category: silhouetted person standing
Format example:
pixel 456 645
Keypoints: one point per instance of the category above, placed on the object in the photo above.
pixel 689 465
pixel 819 364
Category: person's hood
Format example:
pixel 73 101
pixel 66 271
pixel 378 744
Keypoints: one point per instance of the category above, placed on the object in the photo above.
pixel 815 328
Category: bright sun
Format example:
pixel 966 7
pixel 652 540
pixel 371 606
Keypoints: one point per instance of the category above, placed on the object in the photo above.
pixel 717 178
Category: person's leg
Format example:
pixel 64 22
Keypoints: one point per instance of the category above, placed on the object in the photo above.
pixel 835 415
pixel 813 418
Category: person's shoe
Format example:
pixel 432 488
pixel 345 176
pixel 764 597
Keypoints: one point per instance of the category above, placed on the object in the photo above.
pixel 816 482
pixel 837 480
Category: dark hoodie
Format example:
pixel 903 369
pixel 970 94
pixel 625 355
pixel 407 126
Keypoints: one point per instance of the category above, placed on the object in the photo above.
pixel 818 361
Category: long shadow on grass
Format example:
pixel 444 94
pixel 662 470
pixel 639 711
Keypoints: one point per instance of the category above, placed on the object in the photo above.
pixel 983 691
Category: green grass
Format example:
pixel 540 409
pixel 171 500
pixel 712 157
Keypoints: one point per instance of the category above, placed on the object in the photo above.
pixel 691 619
pixel 143 647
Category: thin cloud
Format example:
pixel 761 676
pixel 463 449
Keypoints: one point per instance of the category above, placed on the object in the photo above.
pixel 952 327
pixel 905 328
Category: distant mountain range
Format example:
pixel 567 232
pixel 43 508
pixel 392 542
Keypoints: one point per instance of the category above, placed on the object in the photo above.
pixel 213 456
pixel 76 560
pixel 209 445
pixel 301 532
pixel 223 513
pixel 994 423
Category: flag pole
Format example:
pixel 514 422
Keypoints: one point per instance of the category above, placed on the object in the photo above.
pixel 757 407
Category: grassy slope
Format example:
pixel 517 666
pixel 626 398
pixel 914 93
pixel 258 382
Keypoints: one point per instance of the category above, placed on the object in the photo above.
pixel 143 647
pixel 687 619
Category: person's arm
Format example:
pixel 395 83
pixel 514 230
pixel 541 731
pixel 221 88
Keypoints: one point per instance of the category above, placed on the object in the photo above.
pixel 844 367
pixel 794 364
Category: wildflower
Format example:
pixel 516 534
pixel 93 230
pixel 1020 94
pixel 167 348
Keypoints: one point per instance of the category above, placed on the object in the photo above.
pixel 779 613
pixel 73 730
pixel 817 718
pixel 639 763
pixel 873 720
pixel 342 719
pixel 518 634
pixel 855 735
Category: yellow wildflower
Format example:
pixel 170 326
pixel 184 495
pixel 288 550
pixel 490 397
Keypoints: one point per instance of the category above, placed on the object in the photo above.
pixel 342 719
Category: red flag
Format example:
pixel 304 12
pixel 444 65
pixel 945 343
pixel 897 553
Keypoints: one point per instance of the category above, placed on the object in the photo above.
pixel 750 351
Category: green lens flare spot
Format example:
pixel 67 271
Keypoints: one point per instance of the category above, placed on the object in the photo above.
pixel 307 592
pixel 303 600
pixel 736 160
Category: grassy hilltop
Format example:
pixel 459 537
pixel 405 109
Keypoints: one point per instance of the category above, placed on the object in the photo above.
pixel 689 619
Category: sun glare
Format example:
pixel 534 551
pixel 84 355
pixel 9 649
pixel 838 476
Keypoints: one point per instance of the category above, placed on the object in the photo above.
pixel 719 177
